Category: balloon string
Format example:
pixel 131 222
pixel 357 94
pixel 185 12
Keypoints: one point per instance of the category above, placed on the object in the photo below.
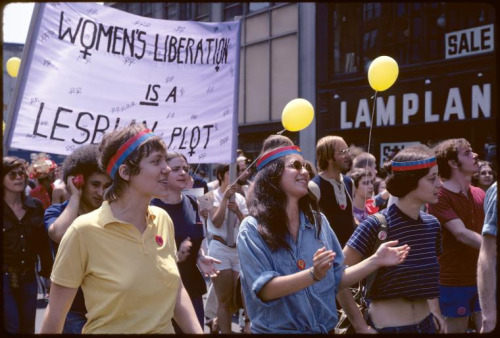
pixel 374 98
pixel 251 164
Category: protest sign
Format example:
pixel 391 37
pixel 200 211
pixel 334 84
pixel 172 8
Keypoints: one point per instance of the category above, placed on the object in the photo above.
pixel 89 69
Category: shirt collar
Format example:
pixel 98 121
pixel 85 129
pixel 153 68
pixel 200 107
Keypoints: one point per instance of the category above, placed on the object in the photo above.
pixel 106 215
pixel 304 221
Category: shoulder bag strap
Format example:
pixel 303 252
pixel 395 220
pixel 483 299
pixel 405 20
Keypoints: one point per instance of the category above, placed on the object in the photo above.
pixel 381 238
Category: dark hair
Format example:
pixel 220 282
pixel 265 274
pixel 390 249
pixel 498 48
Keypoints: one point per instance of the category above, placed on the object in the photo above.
pixel 475 177
pixel 376 185
pixel 275 141
pixel 400 183
pixel 109 146
pixel 267 203
pixel 220 171
pixel 172 154
pixel 448 150
pixel 358 173
pixel 12 162
pixel 83 160
pixel 363 160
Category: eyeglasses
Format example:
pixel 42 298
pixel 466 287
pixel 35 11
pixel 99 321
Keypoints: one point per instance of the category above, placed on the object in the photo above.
pixel 344 151
pixel 297 165
pixel 176 169
pixel 13 174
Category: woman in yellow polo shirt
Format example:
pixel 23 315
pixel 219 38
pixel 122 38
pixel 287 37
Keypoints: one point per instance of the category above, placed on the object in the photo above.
pixel 123 254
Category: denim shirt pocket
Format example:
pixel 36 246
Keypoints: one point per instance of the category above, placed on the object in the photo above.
pixel 286 266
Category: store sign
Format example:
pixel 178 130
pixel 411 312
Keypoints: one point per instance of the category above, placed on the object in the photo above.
pixel 388 150
pixel 477 40
pixel 91 69
pixel 456 103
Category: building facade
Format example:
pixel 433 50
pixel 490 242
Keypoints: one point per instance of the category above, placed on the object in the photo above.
pixel 321 52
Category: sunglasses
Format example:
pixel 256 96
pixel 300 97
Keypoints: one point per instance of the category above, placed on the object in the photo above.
pixel 297 165
pixel 13 174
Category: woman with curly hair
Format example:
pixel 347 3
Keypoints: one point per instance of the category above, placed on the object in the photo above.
pixel 291 261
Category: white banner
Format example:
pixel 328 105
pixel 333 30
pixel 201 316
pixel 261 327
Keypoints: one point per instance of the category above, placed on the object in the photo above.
pixel 91 69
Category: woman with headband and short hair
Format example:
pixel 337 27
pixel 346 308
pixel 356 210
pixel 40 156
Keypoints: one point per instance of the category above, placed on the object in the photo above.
pixel 404 298
pixel 291 261
pixel 123 254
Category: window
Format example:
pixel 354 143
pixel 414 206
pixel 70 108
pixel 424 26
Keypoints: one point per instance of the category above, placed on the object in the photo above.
pixel 232 9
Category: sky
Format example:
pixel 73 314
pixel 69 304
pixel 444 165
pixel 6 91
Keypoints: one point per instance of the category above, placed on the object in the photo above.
pixel 16 21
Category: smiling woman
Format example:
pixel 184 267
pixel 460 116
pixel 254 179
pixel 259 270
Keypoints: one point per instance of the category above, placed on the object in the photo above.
pixel 125 232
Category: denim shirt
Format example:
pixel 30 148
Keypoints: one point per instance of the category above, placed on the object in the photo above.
pixel 310 310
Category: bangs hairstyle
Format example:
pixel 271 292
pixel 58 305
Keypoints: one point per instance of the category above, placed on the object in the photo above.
pixel 172 154
pixel 325 150
pixel 109 147
pixel 267 203
pixel 357 175
pixel 401 183
pixel 12 162
pixel 448 150
pixel 83 160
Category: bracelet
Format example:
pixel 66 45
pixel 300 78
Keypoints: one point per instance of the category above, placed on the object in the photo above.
pixel 313 276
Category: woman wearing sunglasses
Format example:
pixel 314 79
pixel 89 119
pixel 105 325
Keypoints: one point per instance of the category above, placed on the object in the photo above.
pixel 24 238
pixel 291 261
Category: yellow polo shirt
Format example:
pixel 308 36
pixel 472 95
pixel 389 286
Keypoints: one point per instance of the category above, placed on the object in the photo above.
pixel 129 280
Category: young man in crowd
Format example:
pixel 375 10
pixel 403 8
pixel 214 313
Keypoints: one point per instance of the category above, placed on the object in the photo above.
pixel 86 194
pixel 461 214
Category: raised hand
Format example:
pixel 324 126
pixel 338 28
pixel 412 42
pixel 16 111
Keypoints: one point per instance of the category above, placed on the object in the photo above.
pixel 322 261
pixel 388 254
pixel 206 265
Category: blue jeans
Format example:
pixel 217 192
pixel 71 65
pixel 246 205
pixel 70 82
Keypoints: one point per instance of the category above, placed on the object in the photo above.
pixel 425 326
pixel 19 304
pixel 74 322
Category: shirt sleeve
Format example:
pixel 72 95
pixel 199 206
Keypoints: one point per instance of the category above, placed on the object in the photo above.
pixel 255 260
pixel 443 210
pixel 490 226
pixel 364 237
pixel 51 214
pixel 314 189
pixel 242 204
pixel 71 260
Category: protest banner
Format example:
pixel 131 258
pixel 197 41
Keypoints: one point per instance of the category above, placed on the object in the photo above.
pixel 88 69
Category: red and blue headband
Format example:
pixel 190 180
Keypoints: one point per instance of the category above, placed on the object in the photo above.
pixel 126 149
pixel 277 153
pixel 414 165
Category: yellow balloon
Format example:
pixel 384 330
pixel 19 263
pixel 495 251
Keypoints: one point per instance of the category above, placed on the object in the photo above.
pixel 297 115
pixel 382 73
pixel 13 66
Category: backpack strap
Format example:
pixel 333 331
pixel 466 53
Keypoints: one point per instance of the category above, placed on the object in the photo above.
pixel 381 238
